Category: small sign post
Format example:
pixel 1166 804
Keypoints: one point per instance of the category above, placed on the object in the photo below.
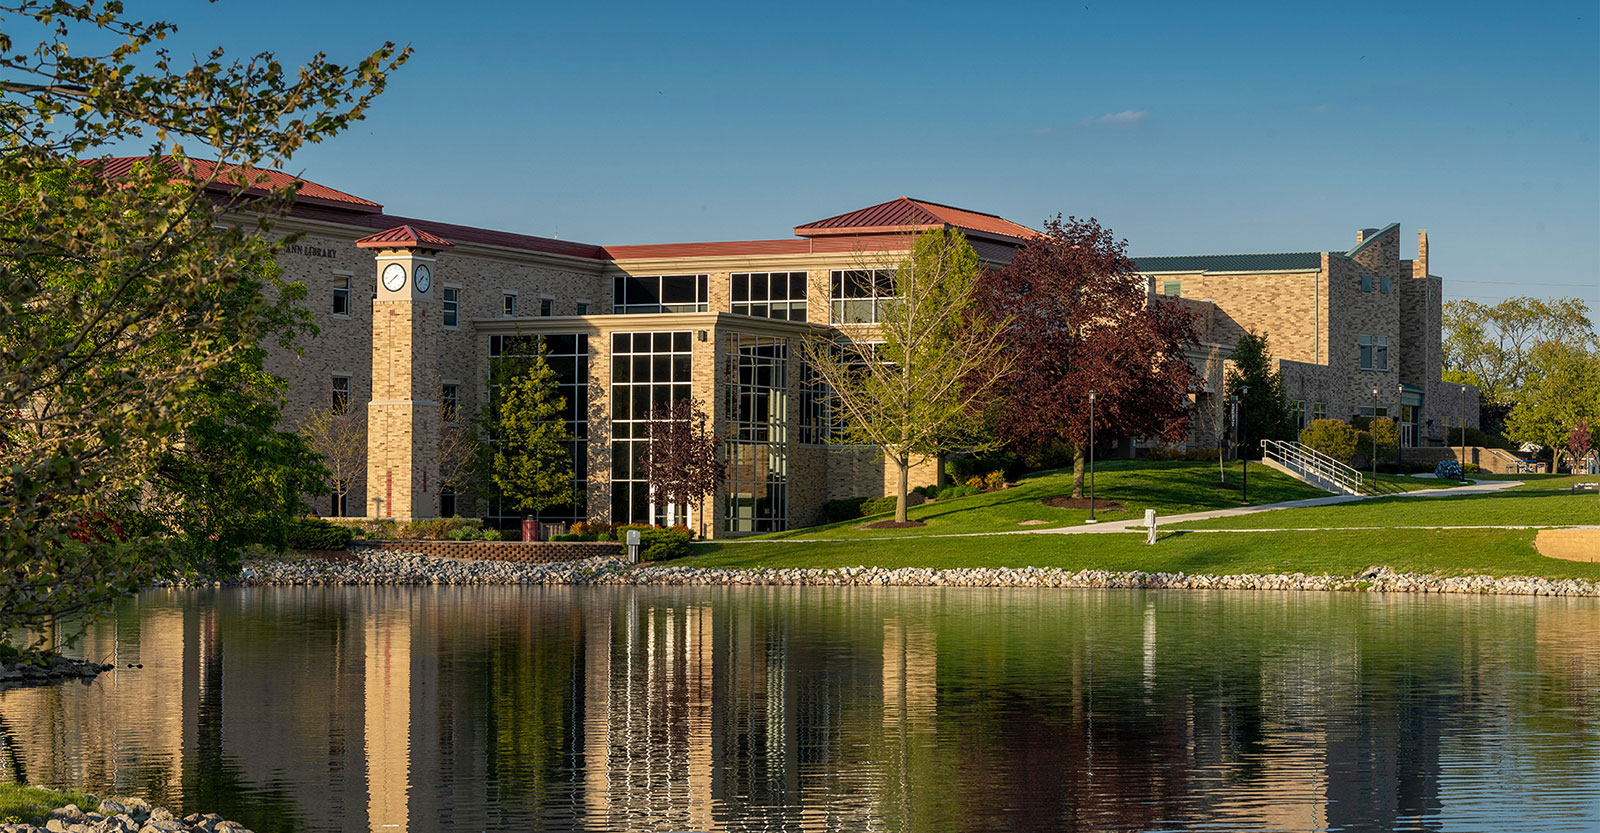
pixel 1150 522
pixel 633 546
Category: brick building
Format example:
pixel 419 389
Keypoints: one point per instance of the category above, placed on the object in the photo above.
pixel 411 311
pixel 1341 326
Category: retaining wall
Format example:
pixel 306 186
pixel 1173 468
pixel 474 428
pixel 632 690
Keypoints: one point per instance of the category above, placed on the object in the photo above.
pixel 523 552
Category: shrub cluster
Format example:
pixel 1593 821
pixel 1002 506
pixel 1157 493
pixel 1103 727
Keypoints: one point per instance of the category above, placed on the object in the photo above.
pixel 843 509
pixel 1193 455
pixel 963 469
pixel 317 534
pixel 433 529
pixel 1332 437
pixel 877 506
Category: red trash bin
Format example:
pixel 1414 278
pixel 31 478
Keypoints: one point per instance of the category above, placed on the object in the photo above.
pixel 530 529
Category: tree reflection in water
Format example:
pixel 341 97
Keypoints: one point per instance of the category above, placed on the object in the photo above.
pixel 828 709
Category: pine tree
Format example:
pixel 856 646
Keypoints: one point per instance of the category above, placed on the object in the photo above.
pixel 530 450
pixel 1265 405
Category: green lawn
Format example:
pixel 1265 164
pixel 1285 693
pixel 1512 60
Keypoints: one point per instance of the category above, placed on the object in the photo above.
pixel 1169 488
pixel 1542 482
pixel 1347 553
pixel 1513 508
pixel 1393 483
pixel 29 805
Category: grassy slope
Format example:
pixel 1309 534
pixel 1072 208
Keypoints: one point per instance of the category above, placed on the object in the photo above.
pixel 1168 488
pixel 1532 508
pixel 30 804
pixel 1446 552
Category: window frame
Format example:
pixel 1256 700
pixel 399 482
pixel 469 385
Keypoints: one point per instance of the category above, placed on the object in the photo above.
pixel 837 302
pixel 339 399
pixel 341 296
pixel 449 401
pixel 508 304
pixel 623 304
pixel 450 299
pixel 795 309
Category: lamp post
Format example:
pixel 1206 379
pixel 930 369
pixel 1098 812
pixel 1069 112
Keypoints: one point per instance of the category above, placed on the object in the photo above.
pixel 1400 436
pixel 1374 426
pixel 1091 459
pixel 1244 450
pixel 1461 424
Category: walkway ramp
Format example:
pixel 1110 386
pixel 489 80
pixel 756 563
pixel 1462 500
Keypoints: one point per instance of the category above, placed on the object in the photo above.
pixel 1306 464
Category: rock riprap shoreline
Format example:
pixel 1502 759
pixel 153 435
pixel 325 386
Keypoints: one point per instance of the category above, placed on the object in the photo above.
pixel 56 669
pixel 375 568
pixel 126 815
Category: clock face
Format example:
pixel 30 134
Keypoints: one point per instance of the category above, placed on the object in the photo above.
pixel 424 278
pixel 394 277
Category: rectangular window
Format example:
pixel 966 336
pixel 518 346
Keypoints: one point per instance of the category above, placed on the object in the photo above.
pixel 1366 283
pixel 756 402
pixel 447 501
pixel 1366 352
pixel 649 370
pixel 1380 346
pixel 1319 410
pixel 769 294
pixel 340 401
pixel 636 295
pixel 449 401
pixel 509 306
pixel 1368 411
pixel 583 309
pixel 452 307
pixel 567 354
pixel 341 296
pixel 860 295
pixel 1298 406
pixel 374 290
pixel 1383 285
pixel 1172 288
pixel 547 307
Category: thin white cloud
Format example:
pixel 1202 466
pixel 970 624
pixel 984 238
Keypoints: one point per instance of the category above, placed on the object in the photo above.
pixel 1126 118
pixel 1040 131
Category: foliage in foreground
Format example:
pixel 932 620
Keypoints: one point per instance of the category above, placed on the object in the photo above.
pixel 29 805
pixel 123 294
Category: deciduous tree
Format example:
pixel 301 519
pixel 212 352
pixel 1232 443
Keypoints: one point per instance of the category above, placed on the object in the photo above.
pixel 1332 437
pixel 121 290
pixel 1579 443
pixel 936 358
pixel 1562 390
pixel 1491 345
pixel 340 437
pixel 683 457
pixel 1079 319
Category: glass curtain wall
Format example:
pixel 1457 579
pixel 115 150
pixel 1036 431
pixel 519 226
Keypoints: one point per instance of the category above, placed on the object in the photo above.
pixel 568 357
pixel 756 383
pixel 648 371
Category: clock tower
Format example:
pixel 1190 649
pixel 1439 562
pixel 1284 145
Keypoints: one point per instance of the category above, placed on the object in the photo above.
pixel 403 417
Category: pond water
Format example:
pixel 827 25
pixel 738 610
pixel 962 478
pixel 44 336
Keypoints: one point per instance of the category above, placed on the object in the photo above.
pixel 852 709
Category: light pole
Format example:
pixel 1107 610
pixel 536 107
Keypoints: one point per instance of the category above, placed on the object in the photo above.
pixel 1244 450
pixel 1374 426
pixel 1461 424
pixel 1091 459
pixel 1400 436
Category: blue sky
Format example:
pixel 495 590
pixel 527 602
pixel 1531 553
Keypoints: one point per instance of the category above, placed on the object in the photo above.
pixel 1187 128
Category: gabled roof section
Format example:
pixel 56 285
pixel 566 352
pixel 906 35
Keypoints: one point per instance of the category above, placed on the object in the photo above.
pixel 260 181
pixel 905 214
pixel 404 237
pixel 1369 236
pixel 1284 262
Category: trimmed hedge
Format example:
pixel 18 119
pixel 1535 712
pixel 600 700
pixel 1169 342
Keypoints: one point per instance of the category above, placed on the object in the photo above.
pixel 843 509
pixel 317 534
pixel 660 544
pixel 877 506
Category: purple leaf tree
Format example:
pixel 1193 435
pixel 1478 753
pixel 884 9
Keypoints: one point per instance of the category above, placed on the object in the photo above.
pixel 682 460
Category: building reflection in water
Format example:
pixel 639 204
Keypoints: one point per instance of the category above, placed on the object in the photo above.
pixel 387 709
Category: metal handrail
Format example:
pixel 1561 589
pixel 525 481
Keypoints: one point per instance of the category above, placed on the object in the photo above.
pixel 1310 461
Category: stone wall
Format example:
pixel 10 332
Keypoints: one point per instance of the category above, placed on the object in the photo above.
pixel 523 552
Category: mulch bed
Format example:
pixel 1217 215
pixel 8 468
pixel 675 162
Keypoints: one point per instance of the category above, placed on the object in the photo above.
pixel 892 525
pixel 1100 504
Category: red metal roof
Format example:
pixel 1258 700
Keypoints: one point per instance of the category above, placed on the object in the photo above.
pixel 908 215
pixel 405 236
pixel 259 180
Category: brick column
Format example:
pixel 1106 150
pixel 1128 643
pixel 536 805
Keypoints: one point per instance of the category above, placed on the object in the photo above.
pixel 403 416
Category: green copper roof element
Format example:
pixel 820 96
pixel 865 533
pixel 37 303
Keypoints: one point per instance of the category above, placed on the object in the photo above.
pixel 1369 235
pixel 1285 262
